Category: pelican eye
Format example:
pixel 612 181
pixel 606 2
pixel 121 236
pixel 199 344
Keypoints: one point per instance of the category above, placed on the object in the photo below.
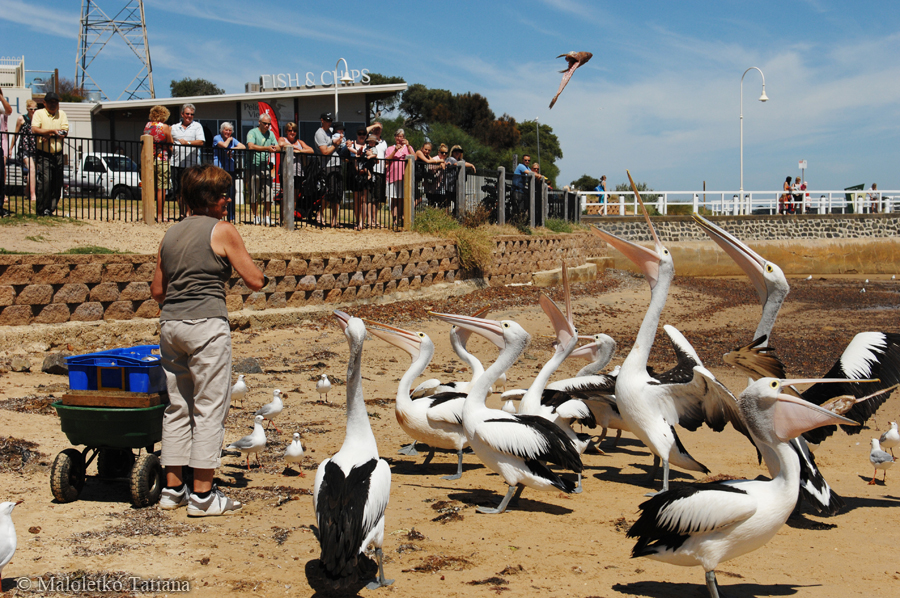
pixel 421 335
pixel 506 324
pixel 665 252
pixel 774 383
pixel 769 268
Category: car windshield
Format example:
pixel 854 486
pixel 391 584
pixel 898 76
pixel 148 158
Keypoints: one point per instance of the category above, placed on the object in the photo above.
pixel 121 164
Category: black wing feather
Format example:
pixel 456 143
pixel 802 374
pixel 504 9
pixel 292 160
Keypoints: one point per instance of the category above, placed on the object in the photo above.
pixel 559 449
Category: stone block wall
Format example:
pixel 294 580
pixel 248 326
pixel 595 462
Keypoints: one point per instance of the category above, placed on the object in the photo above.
pixel 516 258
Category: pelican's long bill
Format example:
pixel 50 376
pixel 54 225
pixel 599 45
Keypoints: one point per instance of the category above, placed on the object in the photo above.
pixel 411 342
pixel 343 318
pixel 645 259
pixel 794 416
pixel 463 334
pixel 565 331
pixel 748 260
pixel 489 329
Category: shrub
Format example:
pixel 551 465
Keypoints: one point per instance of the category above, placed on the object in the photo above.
pixel 477 217
pixel 474 247
pixel 434 221
pixel 558 225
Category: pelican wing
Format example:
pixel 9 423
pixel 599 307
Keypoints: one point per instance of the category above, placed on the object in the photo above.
pixel 813 487
pixel 446 407
pixel 514 393
pixel 757 362
pixel 529 437
pixel 568 408
pixel 377 499
pixel 594 388
pixel 426 388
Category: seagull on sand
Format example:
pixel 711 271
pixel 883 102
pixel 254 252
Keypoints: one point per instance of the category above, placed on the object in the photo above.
pixel 575 60
pixel 323 386
pixel 252 443
pixel 239 390
pixel 891 438
pixel 271 409
pixel 880 460
pixel 7 534
pixel 294 452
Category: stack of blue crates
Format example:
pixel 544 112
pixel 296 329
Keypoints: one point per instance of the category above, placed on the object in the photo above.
pixel 132 369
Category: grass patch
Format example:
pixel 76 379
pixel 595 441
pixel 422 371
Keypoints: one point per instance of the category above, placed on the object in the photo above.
pixel 16 219
pixel 558 225
pixel 91 250
pixel 36 238
pixel 474 247
pixel 6 252
pixel 433 221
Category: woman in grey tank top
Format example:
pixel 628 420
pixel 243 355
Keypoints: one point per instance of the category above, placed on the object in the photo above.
pixel 195 260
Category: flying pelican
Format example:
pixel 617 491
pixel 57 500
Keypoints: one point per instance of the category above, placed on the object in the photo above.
pixel 689 395
pixel 515 446
pixel 353 487
pixel 251 443
pixel 294 452
pixel 239 390
pixel 891 438
pixel 8 540
pixel 271 409
pixel 434 419
pixel 323 386
pixel 574 60
pixel 706 524
pixel 879 460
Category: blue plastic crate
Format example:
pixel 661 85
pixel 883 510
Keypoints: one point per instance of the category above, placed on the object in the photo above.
pixel 133 369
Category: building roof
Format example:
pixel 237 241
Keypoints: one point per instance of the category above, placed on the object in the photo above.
pixel 252 96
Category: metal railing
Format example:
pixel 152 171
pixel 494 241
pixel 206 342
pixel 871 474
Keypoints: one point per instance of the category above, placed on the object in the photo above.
pixel 844 201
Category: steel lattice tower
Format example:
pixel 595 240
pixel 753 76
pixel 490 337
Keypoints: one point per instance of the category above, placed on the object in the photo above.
pixel 98 29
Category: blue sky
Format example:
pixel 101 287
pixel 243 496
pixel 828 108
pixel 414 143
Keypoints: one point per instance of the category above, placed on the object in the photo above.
pixel 661 96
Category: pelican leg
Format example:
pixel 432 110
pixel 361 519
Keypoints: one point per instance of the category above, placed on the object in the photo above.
pixel 665 486
pixel 517 490
pixel 578 488
pixel 618 436
pixel 428 458
pixel 381 581
pixel 711 584
pixel 409 450
pixel 458 473
pixel 654 470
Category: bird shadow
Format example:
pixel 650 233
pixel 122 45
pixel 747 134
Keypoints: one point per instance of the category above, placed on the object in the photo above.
pixel 659 589
pixel 607 473
pixel 867 479
pixel 856 502
pixel 486 498
pixel 440 469
pixel 317 581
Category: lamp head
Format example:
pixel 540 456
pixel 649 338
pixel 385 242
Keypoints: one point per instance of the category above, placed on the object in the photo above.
pixel 763 97
pixel 346 78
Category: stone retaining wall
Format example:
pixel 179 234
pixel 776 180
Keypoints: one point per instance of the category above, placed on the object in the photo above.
pixel 52 289
pixel 672 229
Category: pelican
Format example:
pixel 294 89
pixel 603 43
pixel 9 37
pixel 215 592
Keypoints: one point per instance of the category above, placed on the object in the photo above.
pixel 239 390
pixel 706 524
pixel 599 353
pixel 574 60
pixel 879 460
pixel 514 446
pixel 8 539
pixel 294 452
pixel 891 438
pixel 435 419
pixel 271 409
pixel 323 386
pixel 353 487
pixel 251 443
pixel 689 394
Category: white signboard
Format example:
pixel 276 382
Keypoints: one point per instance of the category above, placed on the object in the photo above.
pixel 802 164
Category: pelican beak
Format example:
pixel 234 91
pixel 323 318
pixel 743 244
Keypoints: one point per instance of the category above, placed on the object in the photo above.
pixel 645 259
pixel 749 261
pixel 410 342
pixel 565 332
pixel 588 352
pixel 463 334
pixel 794 416
pixel 489 329
pixel 343 318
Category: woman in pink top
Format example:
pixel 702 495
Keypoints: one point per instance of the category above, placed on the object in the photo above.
pixel 395 156
pixel 162 144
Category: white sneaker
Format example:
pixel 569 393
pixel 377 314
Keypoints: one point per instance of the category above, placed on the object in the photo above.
pixel 256 220
pixel 268 222
pixel 172 499
pixel 214 504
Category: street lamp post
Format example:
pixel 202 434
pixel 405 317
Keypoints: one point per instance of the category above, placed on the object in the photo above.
pixel 762 98
pixel 538 125
pixel 345 78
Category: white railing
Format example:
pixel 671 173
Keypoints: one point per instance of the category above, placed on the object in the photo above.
pixel 728 203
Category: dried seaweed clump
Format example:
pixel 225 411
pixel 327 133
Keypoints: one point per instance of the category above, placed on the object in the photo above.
pixel 435 563
pixel 15 453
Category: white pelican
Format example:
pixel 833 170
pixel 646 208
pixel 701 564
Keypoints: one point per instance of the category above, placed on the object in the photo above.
pixel 688 394
pixel 353 487
pixel 515 446
pixel 271 409
pixel 879 460
pixel 253 442
pixel 890 438
pixel 599 353
pixel 706 524
pixel 434 419
pixel 8 540
pixel 294 452
pixel 239 390
pixel 323 386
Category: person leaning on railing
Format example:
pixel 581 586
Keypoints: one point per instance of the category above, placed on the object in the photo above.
pixel 27 145
pixel 428 170
pixel 224 145
pixel 157 128
pixel 51 126
pixel 4 119
pixel 395 156
pixel 292 139
pixel 262 140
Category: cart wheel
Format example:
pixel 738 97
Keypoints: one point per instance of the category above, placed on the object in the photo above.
pixel 146 480
pixel 67 475
pixel 115 463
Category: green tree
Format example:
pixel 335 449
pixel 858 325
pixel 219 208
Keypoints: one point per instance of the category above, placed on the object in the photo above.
pixel 647 198
pixel 386 103
pixel 194 87
pixel 585 183
pixel 68 92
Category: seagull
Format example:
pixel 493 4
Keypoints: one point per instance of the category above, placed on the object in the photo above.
pixel 271 409
pixel 353 487
pixel 323 386
pixel 880 460
pixel 893 277
pixel 252 443
pixel 294 452
pixel 891 438
pixel 867 281
pixel 862 290
pixel 239 390
pixel 706 524
pixel 809 277
pixel 8 540
pixel 575 60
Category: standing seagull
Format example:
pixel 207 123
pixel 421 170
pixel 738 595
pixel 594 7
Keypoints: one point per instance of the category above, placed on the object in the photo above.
pixel 252 443
pixel 271 409
pixel 706 524
pixel 891 438
pixel 575 60
pixel 239 390
pixel 294 452
pixel 353 487
pixel 880 460
pixel 323 386
pixel 8 539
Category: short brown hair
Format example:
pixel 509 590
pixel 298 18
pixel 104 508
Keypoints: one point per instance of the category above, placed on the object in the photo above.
pixel 159 114
pixel 202 186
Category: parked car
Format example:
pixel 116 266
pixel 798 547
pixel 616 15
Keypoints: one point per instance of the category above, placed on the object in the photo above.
pixel 106 175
